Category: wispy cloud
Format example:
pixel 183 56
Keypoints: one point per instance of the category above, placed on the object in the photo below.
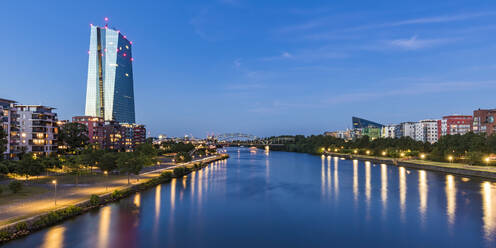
pixel 324 21
pixel 246 86
pixel 283 55
pixel 237 63
pixel 307 55
pixel 413 89
pixel 415 43
pixel 198 22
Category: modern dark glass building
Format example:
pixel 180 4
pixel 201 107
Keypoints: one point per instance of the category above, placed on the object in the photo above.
pixel 110 90
pixel 362 123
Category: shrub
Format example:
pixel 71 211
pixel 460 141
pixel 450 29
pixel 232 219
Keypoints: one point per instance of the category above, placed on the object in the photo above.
pixel 166 175
pixel 21 226
pixel 94 200
pixel 179 171
pixel 116 195
pixel 4 235
pixel 15 186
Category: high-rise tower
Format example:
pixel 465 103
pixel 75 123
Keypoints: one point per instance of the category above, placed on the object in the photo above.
pixel 109 92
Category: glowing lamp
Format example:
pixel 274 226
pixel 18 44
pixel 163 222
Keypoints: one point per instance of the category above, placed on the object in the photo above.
pixel 106 19
pixel 124 54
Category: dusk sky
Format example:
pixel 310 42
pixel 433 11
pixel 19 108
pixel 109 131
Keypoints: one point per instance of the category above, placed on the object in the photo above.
pixel 260 67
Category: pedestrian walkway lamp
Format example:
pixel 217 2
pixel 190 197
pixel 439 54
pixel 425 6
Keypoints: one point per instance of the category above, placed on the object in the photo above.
pixel 487 160
pixel 450 158
pixel 54 182
pixel 106 180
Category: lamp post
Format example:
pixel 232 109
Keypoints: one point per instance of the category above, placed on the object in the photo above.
pixel 106 180
pixel 450 158
pixel 54 182
pixel 422 156
pixel 487 160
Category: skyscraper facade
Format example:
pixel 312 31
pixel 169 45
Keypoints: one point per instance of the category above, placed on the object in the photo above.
pixel 110 92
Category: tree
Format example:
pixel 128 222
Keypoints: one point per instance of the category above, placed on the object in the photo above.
pixel 130 163
pixel 71 162
pixel 3 142
pixel 29 166
pixel 90 157
pixel 74 136
pixel 148 153
pixel 108 161
pixel 50 162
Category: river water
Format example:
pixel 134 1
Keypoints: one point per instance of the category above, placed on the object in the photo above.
pixel 280 199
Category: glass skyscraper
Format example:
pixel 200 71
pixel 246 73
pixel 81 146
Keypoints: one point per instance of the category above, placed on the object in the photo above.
pixel 110 92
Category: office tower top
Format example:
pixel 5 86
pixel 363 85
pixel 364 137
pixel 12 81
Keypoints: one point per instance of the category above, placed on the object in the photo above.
pixel 110 90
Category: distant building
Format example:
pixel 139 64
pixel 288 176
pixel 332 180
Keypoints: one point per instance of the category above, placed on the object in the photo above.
pixel 455 124
pixel 96 128
pixel 362 123
pixel 38 129
pixel 406 129
pixel 362 127
pixel 484 121
pixel 427 131
pixel 113 136
pixel 10 125
pixel 346 134
pixel 389 131
pixel 109 92
pixel 134 134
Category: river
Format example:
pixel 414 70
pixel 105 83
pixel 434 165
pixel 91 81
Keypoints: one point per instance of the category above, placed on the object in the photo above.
pixel 280 199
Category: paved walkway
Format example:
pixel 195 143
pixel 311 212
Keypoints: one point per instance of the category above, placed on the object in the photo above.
pixel 69 194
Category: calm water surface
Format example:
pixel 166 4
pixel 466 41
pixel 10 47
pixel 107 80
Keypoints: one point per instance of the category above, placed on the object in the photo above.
pixel 278 199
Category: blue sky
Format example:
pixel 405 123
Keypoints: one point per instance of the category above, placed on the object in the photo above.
pixel 261 67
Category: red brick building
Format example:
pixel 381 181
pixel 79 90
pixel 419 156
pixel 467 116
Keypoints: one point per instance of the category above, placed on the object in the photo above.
pixel 96 130
pixel 134 134
pixel 484 121
pixel 455 124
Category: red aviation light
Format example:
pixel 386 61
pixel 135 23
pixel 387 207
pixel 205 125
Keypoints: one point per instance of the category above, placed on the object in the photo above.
pixel 106 19
pixel 130 42
pixel 132 59
pixel 124 54
pixel 124 37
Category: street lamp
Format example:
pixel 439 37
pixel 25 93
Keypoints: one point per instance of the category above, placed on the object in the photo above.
pixel 54 182
pixel 450 158
pixel 402 154
pixel 422 156
pixel 487 160
pixel 106 182
pixel 383 153
pixel 355 151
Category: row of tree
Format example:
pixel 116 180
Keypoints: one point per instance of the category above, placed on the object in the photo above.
pixel 30 165
pixel 470 148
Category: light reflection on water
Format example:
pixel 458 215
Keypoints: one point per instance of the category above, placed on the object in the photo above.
pixel 402 178
pixel 54 238
pixel 412 207
pixel 489 214
pixel 423 191
pixel 384 186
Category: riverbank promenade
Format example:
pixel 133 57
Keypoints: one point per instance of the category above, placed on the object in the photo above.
pixel 456 168
pixel 40 194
